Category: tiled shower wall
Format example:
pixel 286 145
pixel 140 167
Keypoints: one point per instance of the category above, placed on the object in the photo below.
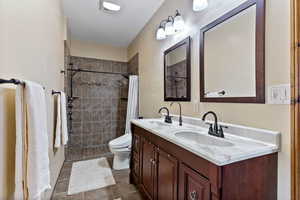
pixel 177 80
pixel 99 113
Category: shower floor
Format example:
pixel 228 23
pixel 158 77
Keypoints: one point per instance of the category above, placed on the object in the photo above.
pixel 123 190
pixel 78 153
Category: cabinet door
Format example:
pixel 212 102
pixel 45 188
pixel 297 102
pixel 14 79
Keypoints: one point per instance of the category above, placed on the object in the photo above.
pixel 135 167
pixel 147 169
pixel 192 185
pixel 166 176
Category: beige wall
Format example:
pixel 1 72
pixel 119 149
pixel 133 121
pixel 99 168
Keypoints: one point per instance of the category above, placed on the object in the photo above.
pixel 32 48
pixel 98 51
pixel 274 117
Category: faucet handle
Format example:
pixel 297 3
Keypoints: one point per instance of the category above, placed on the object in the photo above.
pixel 210 126
pixel 221 132
pixel 168 119
pixel 208 123
pixel 223 126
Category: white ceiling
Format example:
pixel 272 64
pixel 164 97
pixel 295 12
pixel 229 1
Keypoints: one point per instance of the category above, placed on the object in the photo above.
pixel 86 22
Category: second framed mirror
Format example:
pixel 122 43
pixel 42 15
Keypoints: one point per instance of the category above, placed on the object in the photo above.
pixel 177 72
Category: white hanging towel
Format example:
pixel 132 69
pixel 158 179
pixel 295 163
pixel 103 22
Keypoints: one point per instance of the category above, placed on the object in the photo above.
pixel 20 145
pixel 133 98
pixel 61 136
pixel 32 159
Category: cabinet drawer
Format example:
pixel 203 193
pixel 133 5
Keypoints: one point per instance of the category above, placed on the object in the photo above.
pixel 193 186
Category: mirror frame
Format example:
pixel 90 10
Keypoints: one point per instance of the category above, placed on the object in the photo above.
pixel 186 42
pixel 259 54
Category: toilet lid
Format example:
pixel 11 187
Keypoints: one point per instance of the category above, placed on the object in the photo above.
pixel 121 142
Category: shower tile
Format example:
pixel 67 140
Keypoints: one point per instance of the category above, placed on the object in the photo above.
pixel 93 128
pixel 107 193
pixel 107 115
pixel 75 140
pixel 77 104
pixel 117 67
pixel 124 67
pixel 61 187
pixel 77 128
pixel 77 116
pixel 107 65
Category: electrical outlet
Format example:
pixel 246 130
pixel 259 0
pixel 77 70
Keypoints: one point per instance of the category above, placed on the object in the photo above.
pixel 279 94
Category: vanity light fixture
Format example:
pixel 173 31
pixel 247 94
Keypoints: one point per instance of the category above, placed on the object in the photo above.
pixel 178 21
pixel 199 5
pixel 170 26
pixel 161 34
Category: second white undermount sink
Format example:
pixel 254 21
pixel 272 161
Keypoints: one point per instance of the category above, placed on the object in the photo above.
pixel 203 139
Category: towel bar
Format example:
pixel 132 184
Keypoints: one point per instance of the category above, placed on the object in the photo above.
pixel 11 81
pixel 55 92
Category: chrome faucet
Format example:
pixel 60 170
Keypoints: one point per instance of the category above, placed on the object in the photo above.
pixel 168 118
pixel 180 114
pixel 214 128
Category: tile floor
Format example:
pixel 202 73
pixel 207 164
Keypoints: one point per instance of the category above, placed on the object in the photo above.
pixel 121 191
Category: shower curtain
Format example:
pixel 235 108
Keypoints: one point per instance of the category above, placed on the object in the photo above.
pixel 133 98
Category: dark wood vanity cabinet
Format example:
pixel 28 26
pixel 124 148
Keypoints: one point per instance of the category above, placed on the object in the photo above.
pixel 164 171
pixel 192 186
pixel 158 177
pixel 166 177
pixel 147 168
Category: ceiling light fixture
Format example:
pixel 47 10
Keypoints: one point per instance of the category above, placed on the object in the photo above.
pixel 111 6
pixel 170 26
pixel 199 5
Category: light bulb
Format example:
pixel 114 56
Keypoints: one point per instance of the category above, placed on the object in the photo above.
pixel 178 22
pixel 160 34
pixel 169 28
pixel 199 5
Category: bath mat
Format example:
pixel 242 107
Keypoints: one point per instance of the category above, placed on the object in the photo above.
pixel 90 175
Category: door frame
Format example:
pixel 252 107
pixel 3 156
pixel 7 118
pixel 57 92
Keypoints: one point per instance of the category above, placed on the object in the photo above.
pixel 295 105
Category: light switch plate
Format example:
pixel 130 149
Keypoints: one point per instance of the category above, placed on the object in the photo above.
pixel 279 94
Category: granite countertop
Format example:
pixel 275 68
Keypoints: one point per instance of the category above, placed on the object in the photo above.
pixel 240 143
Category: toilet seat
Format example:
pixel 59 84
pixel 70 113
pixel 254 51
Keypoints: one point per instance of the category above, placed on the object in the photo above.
pixel 121 142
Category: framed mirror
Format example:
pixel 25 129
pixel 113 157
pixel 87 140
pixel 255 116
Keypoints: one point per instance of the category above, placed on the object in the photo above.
pixel 232 56
pixel 177 72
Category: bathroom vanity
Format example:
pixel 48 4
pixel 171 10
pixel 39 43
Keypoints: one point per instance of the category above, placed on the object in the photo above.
pixel 172 162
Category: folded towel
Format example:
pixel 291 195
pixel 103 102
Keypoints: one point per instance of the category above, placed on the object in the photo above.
pixel 20 146
pixel 32 142
pixel 64 125
pixel 61 136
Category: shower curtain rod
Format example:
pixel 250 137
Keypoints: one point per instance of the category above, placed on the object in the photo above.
pixel 125 75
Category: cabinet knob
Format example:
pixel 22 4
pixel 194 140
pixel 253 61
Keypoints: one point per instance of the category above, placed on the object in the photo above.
pixel 193 195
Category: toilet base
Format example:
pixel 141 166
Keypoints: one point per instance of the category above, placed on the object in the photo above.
pixel 121 161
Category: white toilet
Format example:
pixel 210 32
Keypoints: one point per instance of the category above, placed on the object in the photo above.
pixel 121 148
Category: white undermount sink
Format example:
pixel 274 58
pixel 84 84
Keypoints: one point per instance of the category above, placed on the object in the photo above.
pixel 203 139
